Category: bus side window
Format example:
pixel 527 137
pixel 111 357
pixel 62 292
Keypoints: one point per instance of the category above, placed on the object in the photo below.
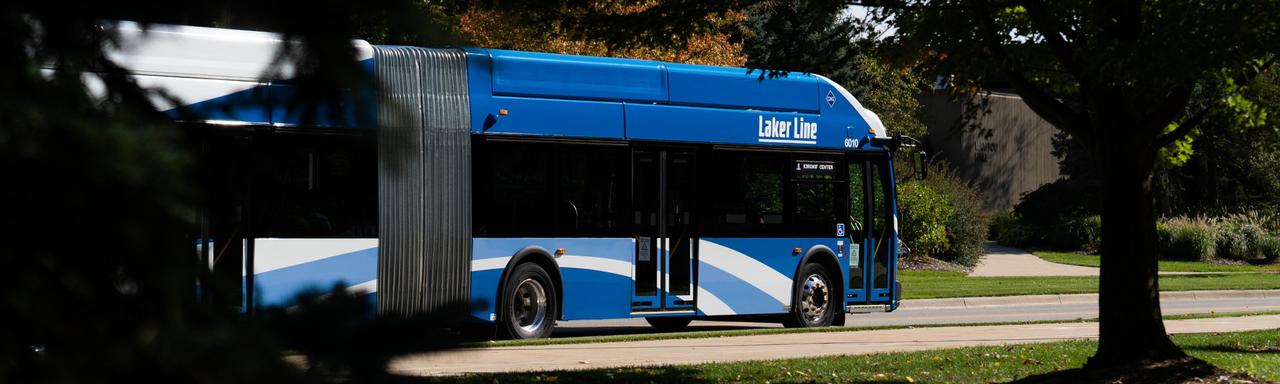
pixel 517 198
pixel 528 189
pixel 314 187
pixel 744 193
pixel 593 182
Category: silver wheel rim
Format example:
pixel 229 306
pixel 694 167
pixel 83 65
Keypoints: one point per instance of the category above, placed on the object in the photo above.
pixel 814 298
pixel 529 305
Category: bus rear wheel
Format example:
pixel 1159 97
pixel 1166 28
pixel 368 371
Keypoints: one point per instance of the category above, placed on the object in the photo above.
pixel 815 300
pixel 669 324
pixel 528 304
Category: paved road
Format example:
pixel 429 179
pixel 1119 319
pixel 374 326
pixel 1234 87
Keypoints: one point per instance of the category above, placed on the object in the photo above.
pixel 702 350
pixel 1064 307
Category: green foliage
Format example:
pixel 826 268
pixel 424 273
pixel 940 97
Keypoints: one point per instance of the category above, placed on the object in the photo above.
pixel 1087 232
pixel 1244 237
pixel 337 332
pixel 1187 238
pixel 801 36
pixel 1047 215
pixel 1269 249
pixel 965 222
pixel 968 223
pixel 1007 228
pixel 103 194
pixel 1178 152
pixel 1235 153
pixel 925 213
pixel 812 36
pixel 890 91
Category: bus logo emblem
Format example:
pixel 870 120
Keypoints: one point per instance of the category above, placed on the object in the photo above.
pixel 831 99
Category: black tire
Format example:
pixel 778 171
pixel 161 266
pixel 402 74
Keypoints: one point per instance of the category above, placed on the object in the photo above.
pixel 814 300
pixel 669 323
pixel 529 306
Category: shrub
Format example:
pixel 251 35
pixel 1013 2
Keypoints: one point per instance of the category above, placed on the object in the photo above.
pixel 1269 248
pixel 924 217
pixel 1243 236
pixel 1185 238
pixel 1046 211
pixel 1007 228
pixel 967 223
pixel 1086 233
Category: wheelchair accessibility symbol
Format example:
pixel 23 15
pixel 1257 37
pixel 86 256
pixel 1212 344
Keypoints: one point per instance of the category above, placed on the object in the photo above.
pixel 840 230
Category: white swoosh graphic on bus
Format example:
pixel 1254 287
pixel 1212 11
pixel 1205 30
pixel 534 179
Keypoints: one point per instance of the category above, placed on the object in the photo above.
pixel 591 263
pixel 747 269
pixel 709 304
pixel 370 286
pixel 490 263
pixel 271 254
pixel 598 264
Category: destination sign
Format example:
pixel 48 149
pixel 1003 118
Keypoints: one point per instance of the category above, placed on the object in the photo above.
pixel 815 170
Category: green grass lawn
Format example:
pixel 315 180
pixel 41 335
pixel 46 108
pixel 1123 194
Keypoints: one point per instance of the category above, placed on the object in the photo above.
pixel 1253 352
pixel 932 284
pixel 1165 265
pixel 776 331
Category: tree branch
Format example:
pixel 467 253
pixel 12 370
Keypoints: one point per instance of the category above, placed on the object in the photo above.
pixel 1173 104
pixel 1052 32
pixel 1195 120
pixel 1048 107
pixel 1184 128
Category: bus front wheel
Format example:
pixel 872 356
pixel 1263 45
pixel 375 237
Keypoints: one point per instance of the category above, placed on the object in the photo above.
pixel 529 303
pixel 814 301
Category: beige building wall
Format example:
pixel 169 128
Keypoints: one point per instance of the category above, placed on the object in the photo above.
pixel 1011 154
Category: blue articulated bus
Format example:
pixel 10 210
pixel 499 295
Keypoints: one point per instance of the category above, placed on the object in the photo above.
pixel 517 188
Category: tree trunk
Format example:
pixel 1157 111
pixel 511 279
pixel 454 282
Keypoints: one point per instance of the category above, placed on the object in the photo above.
pixel 1130 324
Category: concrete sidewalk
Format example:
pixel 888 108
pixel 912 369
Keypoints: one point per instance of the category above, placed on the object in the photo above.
pixel 781 346
pixel 1000 260
pixel 1077 298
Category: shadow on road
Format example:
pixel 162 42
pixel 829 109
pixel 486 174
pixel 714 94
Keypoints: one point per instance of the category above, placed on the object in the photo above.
pixel 644 330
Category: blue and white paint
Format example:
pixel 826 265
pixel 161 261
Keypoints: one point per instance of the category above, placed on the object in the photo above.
pixel 283 268
pixel 596 273
pixel 736 276
pixel 227 77
pixel 740 276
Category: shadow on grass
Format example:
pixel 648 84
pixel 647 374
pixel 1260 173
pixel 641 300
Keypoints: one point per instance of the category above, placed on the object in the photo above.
pixel 1183 370
pixel 1236 348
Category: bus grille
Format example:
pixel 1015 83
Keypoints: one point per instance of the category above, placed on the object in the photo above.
pixel 424 182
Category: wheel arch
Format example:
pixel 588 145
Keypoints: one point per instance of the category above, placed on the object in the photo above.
pixel 824 256
pixel 542 257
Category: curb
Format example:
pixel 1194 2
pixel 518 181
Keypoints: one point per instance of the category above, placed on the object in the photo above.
pixel 1082 298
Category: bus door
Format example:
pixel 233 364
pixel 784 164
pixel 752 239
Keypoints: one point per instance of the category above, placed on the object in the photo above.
pixel 871 236
pixel 663 182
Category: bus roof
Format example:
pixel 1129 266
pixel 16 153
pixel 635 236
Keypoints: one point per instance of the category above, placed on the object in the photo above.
pixel 218 75
pixel 546 94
